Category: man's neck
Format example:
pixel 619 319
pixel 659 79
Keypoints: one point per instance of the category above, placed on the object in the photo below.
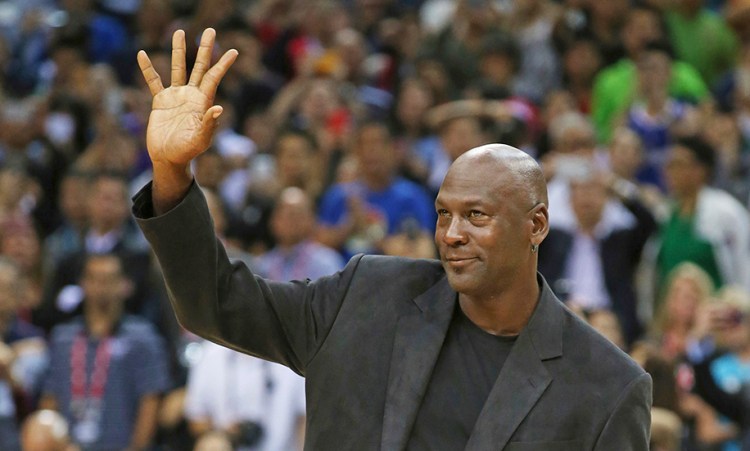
pixel 505 314
pixel 587 229
pixel 100 322
pixel 686 204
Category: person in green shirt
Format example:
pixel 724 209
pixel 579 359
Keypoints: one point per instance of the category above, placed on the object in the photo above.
pixel 706 226
pixel 702 39
pixel 616 86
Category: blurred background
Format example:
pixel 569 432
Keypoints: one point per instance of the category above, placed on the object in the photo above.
pixel 340 120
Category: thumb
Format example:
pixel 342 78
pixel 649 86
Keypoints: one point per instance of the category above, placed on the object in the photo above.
pixel 210 122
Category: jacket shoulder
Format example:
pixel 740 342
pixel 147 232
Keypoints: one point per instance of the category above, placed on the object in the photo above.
pixel 596 356
pixel 389 277
pixel 401 268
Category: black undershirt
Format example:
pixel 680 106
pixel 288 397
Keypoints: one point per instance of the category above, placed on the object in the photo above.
pixel 467 367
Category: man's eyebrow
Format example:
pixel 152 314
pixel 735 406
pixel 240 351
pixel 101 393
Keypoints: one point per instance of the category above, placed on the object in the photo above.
pixel 467 203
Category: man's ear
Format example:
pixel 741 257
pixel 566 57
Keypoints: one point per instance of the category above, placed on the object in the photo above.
pixel 540 223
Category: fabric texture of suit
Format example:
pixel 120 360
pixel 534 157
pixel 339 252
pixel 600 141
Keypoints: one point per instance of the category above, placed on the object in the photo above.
pixel 367 339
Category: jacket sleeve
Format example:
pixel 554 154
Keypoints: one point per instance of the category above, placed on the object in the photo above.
pixel 224 301
pixel 629 426
pixel 645 224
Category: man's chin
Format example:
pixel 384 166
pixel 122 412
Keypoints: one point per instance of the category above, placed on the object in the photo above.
pixel 460 282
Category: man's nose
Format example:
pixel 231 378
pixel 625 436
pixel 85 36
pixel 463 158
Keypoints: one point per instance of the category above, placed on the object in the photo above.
pixel 455 233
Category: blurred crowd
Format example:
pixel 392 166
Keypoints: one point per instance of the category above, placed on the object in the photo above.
pixel 340 120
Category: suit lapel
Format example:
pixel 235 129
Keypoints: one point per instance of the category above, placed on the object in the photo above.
pixel 418 339
pixel 523 378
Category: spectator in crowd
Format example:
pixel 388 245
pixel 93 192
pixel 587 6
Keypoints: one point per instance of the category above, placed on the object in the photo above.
pixel 599 23
pixel 731 88
pixel 701 426
pixel 727 368
pixel 701 38
pixel 533 22
pixel 626 161
pixel 30 157
pixel 17 193
pixel 456 47
pixel 356 217
pixel 662 372
pixel 416 142
pixel 654 115
pixel 573 153
pixel 110 231
pixel 590 258
pixel 296 164
pixel 317 106
pixel 107 368
pixel 666 430
pixel 23 358
pixel 706 226
pixel 296 255
pixel 252 86
pixel 723 131
pixel 499 62
pixel 456 129
pixel 686 291
pixel 19 242
pixel 581 61
pixel 571 134
pixel 68 237
pixel 605 322
pixel 237 152
pixel 615 86
pixel 210 169
pixel 258 404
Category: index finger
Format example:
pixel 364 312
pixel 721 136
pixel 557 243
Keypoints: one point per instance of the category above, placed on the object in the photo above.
pixel 211 80
pixel 153 80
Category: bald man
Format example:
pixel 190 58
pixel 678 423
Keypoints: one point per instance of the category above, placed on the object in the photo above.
pixel 470 352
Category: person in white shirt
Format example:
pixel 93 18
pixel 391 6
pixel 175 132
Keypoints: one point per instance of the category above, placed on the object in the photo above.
pixel 261 405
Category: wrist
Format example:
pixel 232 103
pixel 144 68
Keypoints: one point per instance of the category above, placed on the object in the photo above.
pixel 171 183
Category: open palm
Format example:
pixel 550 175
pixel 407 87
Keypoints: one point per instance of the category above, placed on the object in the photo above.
pixel 183 116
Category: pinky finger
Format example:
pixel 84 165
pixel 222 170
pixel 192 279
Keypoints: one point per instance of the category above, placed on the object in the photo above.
pixel 153 80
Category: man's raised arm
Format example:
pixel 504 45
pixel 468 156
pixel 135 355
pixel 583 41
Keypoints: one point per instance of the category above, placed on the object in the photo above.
pixel 183 116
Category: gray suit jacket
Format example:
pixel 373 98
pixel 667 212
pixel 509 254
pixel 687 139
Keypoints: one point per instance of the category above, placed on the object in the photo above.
pixel 367 339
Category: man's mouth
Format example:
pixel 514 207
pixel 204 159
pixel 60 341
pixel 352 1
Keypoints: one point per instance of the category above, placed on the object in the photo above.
pixel 459 262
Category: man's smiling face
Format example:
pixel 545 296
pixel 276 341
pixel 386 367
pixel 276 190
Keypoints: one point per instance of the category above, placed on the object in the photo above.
pixel 484 226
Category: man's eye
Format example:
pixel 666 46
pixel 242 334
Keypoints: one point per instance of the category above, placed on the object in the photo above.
pixel 475 214
pixel 443 212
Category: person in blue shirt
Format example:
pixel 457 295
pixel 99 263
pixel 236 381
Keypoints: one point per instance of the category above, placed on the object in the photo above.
pixel 107 369
pixel 355 217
